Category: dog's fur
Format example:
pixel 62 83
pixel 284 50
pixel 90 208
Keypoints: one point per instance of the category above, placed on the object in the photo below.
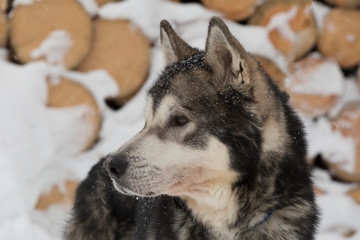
pixel 222 156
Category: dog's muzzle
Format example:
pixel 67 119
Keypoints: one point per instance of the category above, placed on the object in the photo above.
pixel 116 165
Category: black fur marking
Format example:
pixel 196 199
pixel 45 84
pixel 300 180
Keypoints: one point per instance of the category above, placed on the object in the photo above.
pixel 162 87
pixel 275 180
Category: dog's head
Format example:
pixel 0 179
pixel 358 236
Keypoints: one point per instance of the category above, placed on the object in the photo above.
pixel 205 120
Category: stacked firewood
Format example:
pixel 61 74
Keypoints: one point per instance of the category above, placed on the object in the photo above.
pixel 117 46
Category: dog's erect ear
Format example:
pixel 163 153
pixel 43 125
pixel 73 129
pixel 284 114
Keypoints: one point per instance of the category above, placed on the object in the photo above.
pixel 173 47
pixel 225 55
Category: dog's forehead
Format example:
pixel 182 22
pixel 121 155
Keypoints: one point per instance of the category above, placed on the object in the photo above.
pixel 188 80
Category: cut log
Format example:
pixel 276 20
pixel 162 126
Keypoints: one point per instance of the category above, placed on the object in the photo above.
pixel 57 196
pixel 318 191
pixel 348 122
pixel 349 233
pixel 3 5
pixel 290 24
pixel 355 194
pixel 32 24
pixel 102 2
pixel 306 86
pixel 232 9
pixel 358 78
pixel 69 94
pixel 273 71
pixel 341 174
pixel 3 29
pixel 122 50
pixel 339 36
pixel 344 3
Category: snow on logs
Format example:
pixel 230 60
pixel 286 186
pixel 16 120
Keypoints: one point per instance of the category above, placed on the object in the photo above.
pixel 65 94
pixel 121 49
pixel 290 24
pixel 348 122
pixel 57 195
pixel 339 36
pixel 32 24
pixel 306 87
pixel 232 9
pixel 344 3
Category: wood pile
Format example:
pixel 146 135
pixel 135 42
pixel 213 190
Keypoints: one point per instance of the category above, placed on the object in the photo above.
pixel 297 16
pixel 233 9
pixel 123 51
pixel 119 47
pixel 339 36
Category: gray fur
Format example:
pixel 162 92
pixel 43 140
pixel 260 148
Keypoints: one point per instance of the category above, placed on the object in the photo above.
pixel 222 156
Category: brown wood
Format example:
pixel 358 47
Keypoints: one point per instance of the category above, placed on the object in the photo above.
pixel 309 104
pixel 32 24
pixel 232 9
pixel 121 49
pixel 56 196
pixel 344 3
pixel 3 29
pixel 3 5
pixel 318 191
pixel 341 174
pixel 348 122
pixel 358 78
pixel 273 71
pixel 339 36
pixel 355 194
pixel 69 94
pixel 102 2
pixel 302 24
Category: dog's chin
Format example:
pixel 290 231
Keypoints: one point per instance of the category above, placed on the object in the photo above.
pixel 129 192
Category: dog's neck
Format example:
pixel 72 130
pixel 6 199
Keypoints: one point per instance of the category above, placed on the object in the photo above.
pixel 216 208
pixel 220 208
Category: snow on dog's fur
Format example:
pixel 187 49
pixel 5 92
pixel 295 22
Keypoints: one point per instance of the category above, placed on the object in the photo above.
pixel 221 156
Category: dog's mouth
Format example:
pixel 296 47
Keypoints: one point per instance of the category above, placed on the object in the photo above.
pixel 127 191
pixel 174 183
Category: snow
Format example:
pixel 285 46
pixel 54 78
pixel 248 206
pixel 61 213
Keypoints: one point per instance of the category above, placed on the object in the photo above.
pixel 22 2
pixel 322 139
pixel 320 11
pixel 281 22
pixel 339 212
pixel 54 47
pixel 313 79
pixel 350 37
pixel 37 148
pixel 100 83
pixel 90 6
pixel 148 14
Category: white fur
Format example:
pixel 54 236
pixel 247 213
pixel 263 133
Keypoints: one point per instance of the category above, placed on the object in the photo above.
pixel 202 177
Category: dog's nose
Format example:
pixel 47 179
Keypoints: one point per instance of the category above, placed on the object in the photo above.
pixel 116 166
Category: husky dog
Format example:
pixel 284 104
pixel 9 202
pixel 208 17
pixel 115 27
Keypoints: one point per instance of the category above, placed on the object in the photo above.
pixel 221 156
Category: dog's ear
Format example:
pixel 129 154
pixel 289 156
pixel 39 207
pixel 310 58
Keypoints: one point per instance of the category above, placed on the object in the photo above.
pixel 225 55
pixel 173 47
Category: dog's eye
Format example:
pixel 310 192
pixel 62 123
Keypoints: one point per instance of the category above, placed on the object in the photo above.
pixel 178 121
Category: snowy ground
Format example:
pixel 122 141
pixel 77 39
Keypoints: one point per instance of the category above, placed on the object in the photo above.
pixel 35 152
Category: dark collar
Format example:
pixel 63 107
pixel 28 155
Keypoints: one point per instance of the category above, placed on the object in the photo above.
pixel 267 216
